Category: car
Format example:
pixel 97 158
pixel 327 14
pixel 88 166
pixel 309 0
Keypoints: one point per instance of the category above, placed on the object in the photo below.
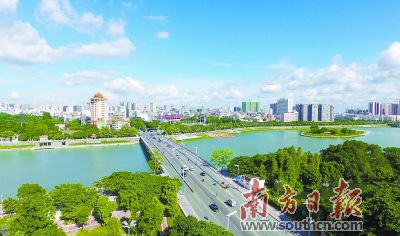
pixel 205 164
pixel 191 168
pixel 214 207
pixel 203 173
pixel 230 202
pixel 184 174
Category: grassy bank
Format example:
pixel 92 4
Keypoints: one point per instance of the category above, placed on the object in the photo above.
pixel 15 146
pixel 329 132
pixel 102 142
pixel 301 129
pixel 328 135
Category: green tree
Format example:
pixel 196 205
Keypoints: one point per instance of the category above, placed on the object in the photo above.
pixel 76 202
pixel 151 215
pixel 104 208
pixel 33 210
pixel 190 226
pixel 52 230
pixel 156 161
pixel 382 210
pixel 221 157
pixel 138 123
pixel 113 228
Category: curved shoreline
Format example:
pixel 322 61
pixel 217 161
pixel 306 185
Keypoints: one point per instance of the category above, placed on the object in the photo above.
pixel 209 134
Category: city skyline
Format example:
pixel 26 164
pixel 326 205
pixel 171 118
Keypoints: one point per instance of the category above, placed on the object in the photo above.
pixel 183 54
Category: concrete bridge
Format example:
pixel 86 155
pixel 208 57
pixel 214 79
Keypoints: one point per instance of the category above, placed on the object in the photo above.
pixel 202 185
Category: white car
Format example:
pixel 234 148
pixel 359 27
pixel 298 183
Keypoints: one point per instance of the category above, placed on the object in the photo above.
pixel 191 168
pixel 184 167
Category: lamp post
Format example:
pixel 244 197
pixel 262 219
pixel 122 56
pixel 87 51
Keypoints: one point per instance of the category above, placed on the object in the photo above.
pixel 278 182
pixel 183 177
pixel 196 154
pixel 128 226
pixel 238 168
pixel 228 216
pixel 309 217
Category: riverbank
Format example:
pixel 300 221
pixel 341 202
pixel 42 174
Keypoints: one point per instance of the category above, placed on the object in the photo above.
pixel 73 144
pixel 230 133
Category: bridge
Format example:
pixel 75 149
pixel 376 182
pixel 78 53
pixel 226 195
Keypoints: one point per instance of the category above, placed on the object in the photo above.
pixel 198 191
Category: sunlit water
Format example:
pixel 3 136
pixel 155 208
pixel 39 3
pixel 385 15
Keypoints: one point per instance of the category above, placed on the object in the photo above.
pixel 85 165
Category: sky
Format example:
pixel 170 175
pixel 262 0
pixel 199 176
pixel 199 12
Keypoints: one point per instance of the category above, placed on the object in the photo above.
pixel 200 52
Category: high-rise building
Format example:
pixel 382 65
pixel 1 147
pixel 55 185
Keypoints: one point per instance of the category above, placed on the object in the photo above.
pixel 153 108
pixel 273 106
pixel 386 109
pixel 374 108
pixel 133 106
pixel 237 109
pixel 303 112
pixel 325 112
pixel 398 108
pixel 99 108
pixel 250 107
pixel 312 112
pixel 284 105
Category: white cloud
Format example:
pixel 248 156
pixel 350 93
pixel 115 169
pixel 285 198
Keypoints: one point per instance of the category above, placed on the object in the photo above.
pixel 391 56
pixel 120 47
pixel 270 88
pixel 162 35
pixel 157 18
pixel 21 43
pixel 338 84
pixel 116 28
pixel 62 13
pixel 164 91
pixel 8 6
pixel 127 84
pixel 15 95
pixel 89 23
pixel 83 77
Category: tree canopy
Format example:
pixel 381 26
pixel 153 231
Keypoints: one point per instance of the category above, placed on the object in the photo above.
pixel 365 165
pixel 221 157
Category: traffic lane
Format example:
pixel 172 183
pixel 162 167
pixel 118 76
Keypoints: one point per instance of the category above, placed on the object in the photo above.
pixel 206 193
pixel 234 194
pixel 235 222
pixel 194 179
pixel 198 197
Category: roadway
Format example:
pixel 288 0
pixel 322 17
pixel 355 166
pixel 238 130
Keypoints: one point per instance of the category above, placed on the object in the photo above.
pixel 201 191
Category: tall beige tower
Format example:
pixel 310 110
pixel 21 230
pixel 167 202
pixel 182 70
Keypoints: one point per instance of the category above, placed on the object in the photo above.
pixel 99 108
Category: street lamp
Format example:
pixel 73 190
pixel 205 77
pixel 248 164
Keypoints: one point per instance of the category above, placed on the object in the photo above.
pixel 228 216
pixel 278 182
pixel 238 168
pixel 183 177
pixel 129 226
pixel 309 217
pixel 196 154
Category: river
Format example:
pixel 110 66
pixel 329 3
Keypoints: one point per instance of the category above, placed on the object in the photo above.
pixel 85 165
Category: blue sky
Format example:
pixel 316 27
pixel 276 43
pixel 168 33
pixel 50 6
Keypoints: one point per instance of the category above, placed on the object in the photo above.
pixel 212 53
